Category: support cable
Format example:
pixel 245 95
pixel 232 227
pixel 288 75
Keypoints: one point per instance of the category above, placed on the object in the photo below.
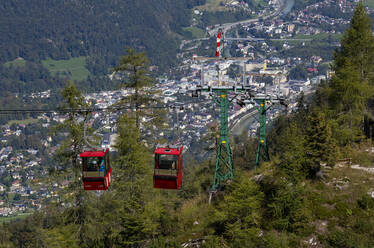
pixel 83 110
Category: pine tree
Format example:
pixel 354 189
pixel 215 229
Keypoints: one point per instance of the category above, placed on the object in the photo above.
pixel 133 161
pixel 73 145
pixel 134 67
pixel 292 152
pixel 351 86
pixel 70 149
pixel 319 146
pixel 133 176
pixel 238 215
pixel 302 109
pixel 357 46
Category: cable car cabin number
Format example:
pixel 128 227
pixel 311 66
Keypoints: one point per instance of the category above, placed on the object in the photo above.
pixel 96 170
pixel 168 167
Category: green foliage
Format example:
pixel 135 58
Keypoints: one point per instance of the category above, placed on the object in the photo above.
pixel 345 238
pixel 192 186
pixel 134 66
pixel 293 157
pixel 368 3
pixel 60 237
pixel 134 174
pixel 357 46
pixel 323 48
pixel 74 68
pixel 366 202
pixel 194 32
pixel 132 158
pixel 319 145
pixel 19 62
pixel 73 145
pixel 220 17
pixel 25 234
pixel 299 72
pixel 238 216
pixel 25 122
pixel 142 24
pixel 348 98
pixel 273 239
pixel 285 203
pixel 351 86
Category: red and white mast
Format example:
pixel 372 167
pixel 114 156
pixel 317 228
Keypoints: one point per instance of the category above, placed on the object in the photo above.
pixel 219 39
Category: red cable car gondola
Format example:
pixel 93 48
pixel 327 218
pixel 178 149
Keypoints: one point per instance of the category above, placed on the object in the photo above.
pixel 96 170
pixel 168 167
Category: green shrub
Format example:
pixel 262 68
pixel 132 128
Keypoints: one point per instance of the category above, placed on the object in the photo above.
pixel 287 207
pixel 366 202
pixel 364 225
pixel 273 239
pixel 346 238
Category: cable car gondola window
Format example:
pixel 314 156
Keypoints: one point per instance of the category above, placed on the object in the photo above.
pixel 95 167
pixel 166 164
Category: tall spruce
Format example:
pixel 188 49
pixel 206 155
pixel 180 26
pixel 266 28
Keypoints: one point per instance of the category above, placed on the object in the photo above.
pixel 134 68
pixel 319 146
pixel 357 46
pixel 70 149
pixel 133 176
pixel 73 145
pixel 350 87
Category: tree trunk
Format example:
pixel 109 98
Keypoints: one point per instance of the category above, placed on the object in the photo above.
pixel 137 108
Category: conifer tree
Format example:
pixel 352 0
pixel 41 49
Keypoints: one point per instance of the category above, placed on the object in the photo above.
pixel 357 46
pixel 319 146
pixel 302 109
pixel 238 216
pixel 73 145
pixel 133 176
pixel 70 149
pixel 292 152
pixel 134 67
pixel 350 87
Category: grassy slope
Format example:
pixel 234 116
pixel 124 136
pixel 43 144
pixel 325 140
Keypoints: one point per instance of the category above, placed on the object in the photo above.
pixel 212 5
pixel 317 36
pixel 74 66
pixel 332 203
pixel 17 62
pixel 196 32
pixel 369 3
pixel 25 122
pixel 12 218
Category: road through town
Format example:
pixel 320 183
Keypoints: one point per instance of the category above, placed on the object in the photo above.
pixel 283 6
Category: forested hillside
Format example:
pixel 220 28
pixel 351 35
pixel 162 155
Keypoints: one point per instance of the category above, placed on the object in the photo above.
pixel 36 30
pixel 305 196
pixel 32 32
pixel 35 35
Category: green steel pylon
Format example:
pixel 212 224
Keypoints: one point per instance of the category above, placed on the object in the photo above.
pixel 262 148
pixel 224 165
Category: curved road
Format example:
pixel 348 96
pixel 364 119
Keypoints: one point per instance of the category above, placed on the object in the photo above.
pixel 227 26
pixel 243 123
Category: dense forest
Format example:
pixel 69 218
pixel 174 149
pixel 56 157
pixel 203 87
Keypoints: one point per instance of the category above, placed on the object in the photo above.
pixel 99 31
pixel 302 197
pixel 33 31
pixel 36 30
